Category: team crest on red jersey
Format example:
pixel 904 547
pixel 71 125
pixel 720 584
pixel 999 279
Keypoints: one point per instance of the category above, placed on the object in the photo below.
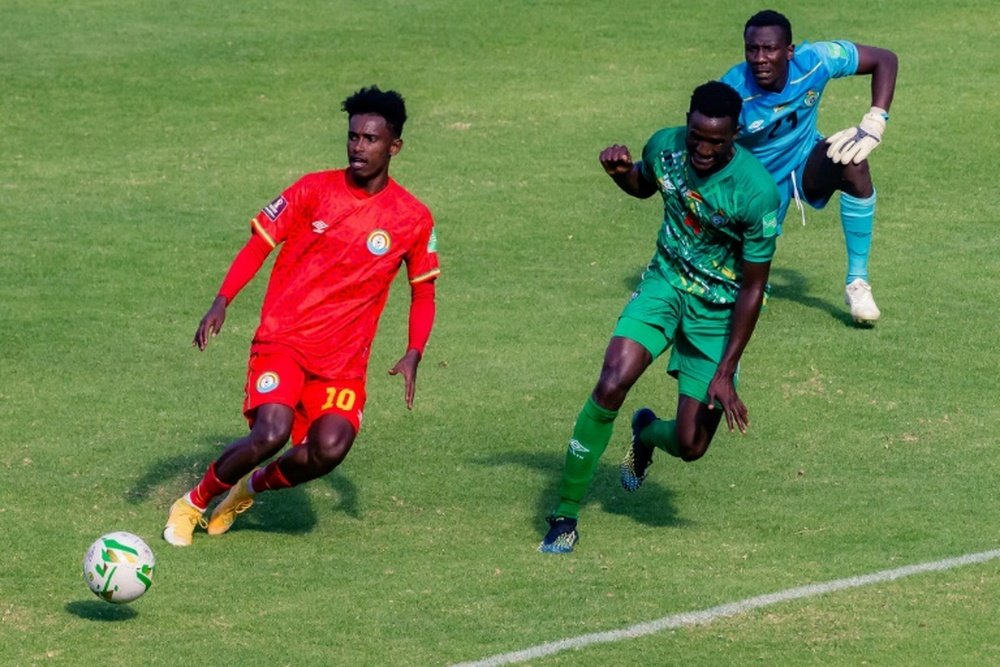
pixel 379 242
pixel 268 382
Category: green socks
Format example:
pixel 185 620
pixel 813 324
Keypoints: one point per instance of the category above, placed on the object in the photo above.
pixel 591 435
pixel 662 434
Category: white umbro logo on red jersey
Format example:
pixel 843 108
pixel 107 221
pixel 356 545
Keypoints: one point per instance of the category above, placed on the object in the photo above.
pixel 319 226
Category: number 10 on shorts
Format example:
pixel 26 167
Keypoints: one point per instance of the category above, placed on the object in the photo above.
pixel 342 399
pixel 346 398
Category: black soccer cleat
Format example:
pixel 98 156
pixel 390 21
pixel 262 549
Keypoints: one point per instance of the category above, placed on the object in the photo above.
pixel 639 456
pixel 561 537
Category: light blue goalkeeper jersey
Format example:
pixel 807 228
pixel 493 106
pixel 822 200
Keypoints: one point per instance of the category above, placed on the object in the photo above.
pixel 780 128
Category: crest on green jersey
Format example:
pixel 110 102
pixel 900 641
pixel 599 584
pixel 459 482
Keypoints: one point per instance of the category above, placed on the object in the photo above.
pixel 770 224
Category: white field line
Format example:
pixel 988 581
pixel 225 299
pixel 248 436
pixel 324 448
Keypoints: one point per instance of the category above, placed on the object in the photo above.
pixel 731 609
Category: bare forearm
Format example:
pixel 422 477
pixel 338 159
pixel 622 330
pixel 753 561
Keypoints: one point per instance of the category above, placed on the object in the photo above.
pixel 627 175
pixel 745 315
pixel 884 83
pixel 632 183
pixel 746 311
pixel 882 65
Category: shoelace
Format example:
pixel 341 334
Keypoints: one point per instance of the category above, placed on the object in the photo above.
pixel 243 506
pixel 196 518
pixel 566 539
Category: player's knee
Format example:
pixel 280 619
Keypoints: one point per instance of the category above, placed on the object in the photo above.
pixel 691 454
pixel 330 439
pixel 857 179
pixel 267 437
pixel 693 448
pixel 612 387
pixel 329 452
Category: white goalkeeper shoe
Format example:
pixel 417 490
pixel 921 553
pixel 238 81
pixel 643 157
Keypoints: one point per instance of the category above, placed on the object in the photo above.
pixel 858 295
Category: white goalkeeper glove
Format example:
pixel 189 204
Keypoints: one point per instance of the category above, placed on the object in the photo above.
pixel 855 143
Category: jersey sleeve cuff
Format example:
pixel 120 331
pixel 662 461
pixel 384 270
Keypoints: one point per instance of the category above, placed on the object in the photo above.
pixel 259 229
pixel 424 277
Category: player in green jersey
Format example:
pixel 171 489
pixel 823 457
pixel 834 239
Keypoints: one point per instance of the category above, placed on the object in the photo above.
pixel 700 296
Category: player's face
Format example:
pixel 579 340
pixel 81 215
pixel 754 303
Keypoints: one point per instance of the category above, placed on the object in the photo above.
pixel 370 146
pixel 767 54
pixel 709 142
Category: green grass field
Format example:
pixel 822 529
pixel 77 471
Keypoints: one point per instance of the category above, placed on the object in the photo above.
pixel 137 139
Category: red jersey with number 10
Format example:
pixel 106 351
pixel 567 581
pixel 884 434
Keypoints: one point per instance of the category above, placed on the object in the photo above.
pixel 341 250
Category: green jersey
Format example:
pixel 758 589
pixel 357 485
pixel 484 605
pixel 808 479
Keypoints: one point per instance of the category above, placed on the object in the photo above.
pixel 710 225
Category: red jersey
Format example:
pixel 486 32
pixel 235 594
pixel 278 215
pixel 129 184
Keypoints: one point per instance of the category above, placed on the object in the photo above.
pixel 341 250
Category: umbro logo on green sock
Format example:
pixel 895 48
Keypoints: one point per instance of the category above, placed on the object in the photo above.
pixel 577 449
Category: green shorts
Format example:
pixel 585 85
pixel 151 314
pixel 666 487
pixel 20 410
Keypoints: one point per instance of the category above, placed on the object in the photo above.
pixel 660 315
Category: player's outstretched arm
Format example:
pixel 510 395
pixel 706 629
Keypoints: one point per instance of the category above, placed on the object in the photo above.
pixel 856 143
pixel 422 311
pixel 211 324
pixel 245 265
pixel 721 390
pixel 618 164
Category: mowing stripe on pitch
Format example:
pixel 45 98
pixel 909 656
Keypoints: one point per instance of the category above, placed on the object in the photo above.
pixel 731 609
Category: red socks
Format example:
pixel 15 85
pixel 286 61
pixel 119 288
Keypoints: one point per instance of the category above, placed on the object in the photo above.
pixel 209 487
pixel 269 478
pixel 264 479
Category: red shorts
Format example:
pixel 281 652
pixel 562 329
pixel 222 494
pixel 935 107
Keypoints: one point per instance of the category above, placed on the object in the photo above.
pixel 278 378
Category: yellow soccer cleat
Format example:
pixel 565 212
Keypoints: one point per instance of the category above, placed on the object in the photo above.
pixel 237 501
pixel 181 523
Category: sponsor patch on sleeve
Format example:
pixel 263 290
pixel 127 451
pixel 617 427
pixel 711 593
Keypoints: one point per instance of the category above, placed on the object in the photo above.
pixel 770 224
pixel 432 243
pixel 274 209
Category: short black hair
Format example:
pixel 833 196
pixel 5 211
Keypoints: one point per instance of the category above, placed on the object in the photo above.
pixel 389 104
pixel 717 100
pixel 768 18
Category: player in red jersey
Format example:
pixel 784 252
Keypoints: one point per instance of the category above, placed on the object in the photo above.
pixel 344 235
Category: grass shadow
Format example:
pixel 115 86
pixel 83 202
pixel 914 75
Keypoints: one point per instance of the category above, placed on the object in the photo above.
pixel 95 610
pixel 632 280
pixel 291 510
pixel 652 506
pixel 286 511
pixel 347 494
pixel 178 472
pixel 791 285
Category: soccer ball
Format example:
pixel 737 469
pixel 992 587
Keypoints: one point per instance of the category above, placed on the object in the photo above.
pixel 119 567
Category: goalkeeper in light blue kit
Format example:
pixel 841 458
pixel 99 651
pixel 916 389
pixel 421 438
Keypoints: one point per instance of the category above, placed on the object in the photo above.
pixel 781 86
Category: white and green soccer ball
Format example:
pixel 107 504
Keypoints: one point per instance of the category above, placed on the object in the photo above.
pixel 119 567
